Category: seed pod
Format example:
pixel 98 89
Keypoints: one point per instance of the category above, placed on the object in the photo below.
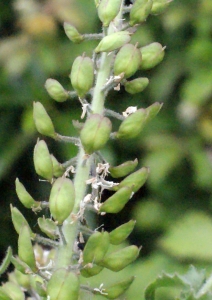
pixel 63 285
pixel 136 85
pixel 135 180
pixel 95 133
pixel 90 271
pixel 4 295
pixel 42 160
pixel 96 247
pixel 127 60
pixel 159 6
pixel 38 285
pixel 153 110
pixel 61 200
pixel 117 201
pixel 42 120
pixel 22 279
pixel 118 235
pixel 152 55
pixel 56 90
pixel 19 221
pixel 113 41
pixel 58 169
pixel 123 169
pixel 25 249
pixel 13 290
pixel 48 227
pixel 72 33
pixel 132 126
pixel 140 11
pixel 117 289
pixel 116 261
pixel 25 198
pixel 108 10
pixel 82 75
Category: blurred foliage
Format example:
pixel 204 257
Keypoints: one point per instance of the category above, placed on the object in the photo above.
pixel 174 209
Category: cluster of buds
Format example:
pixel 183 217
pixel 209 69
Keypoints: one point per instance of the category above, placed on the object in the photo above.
pixel 50 267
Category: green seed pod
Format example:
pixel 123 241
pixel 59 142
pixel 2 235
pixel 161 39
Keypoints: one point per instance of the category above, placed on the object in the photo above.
pixel 4 295
pixel 152 55
pixel 56 90
pixel 113 41
pixel 117 289
pixel 25 249
pixel 108 10
pixel 25 198
pixel 20 265
pixel 123 169
pixel 13 290
pixel 19 220
pixel 90 271
pixel 96 247
pixel 82 75
pixel 117 201
pixel 127 60
pixel 159 6
pixel 118 235
pixel 132 126
pixel 63 285
pixel 6 261
pixel 58 169
pixel 38 285
pixel 48 227
pixel 153 110
pixel 140 11
pixel 42 120
pixel 136 85
pixel 72 33
pixel 135 180
pixel 22 279
pixel 61 200
pixel 42 160
pixel 95 133
pixel 116 261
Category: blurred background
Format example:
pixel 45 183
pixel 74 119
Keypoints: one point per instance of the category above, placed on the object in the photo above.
pixel 174 209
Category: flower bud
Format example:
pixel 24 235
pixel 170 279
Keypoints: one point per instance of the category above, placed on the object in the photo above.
pixel 123 169
pixel 25 198
pixel 90 270
pixel 48 227
pixel 140 11
pixel 3 294
pixel 132 126
pixel 25 249
pixel 136 85
pixel 82 75
pixel 72 33
pixel 56 90
pixel 113 41
pixel 13 290
pixel 42 160
pixel 152 55
pixel 117 201
pixel 108 10
pixel 61 200
pixel 159 6
pixel 95 133
pixel 135 180
pixel 116 261
pixel 119 235
pixel 63 285
pixel 127 60
pixel 58 169
pixel 42 120
pixel 117 289
pixel 19 220
pixel 153 110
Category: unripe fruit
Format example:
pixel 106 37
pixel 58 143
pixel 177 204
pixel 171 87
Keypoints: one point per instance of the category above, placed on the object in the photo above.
pixel 61 200
pixel 56 90
pixel 48 227
pixel 117 201
pixel 4 295
pixel 153 110
pixel 58 169
pixel 13 290
pixel 95 133
pixel 91 270
pixel 42 120
pixel 123 169
pixel 132 126
pixel 82 75
pixel 63 285
pixel 19 220
pixel 108 10
pixel 38 285
pixel 152 55
pixel 140 11
pixel 118 235
pixel 22 279
pixel 116 261
pixel 136 85
pixel 113 41
pixel 25 198
pixel 42 160
pixel 127 60
pixel 72 33
pixel 20 265
pixel 159 6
